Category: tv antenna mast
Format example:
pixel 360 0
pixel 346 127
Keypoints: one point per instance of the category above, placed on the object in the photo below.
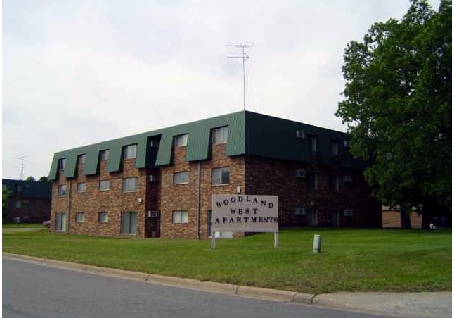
pixel 22 159
pixel 244 57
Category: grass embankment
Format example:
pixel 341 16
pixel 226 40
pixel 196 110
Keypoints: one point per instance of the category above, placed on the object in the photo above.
pixel 351 260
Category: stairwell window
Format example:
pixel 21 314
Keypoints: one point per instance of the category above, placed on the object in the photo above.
pixel 130 151
pixel 220 176
pixel 219 135
pixel 181 140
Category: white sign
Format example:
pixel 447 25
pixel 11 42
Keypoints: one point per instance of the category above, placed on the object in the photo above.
pixel 244 213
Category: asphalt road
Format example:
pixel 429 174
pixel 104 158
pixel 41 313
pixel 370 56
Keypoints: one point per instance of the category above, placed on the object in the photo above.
pixel 35 291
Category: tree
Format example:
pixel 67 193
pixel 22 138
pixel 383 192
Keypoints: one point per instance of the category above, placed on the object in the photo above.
pixel 43 179
pixel 30 179
pixel 397 106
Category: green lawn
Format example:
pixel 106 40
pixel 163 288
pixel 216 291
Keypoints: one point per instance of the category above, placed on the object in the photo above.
pixel 351 260
pixel 21 225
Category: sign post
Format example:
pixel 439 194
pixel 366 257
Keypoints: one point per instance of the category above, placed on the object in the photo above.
pixel 244 213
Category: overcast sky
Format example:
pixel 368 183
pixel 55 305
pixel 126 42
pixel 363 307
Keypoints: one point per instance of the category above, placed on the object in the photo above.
pixel 80 72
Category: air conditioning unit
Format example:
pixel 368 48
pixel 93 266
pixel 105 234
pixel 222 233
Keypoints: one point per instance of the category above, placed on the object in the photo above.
pixel 154 143
pixel 152 178
pixel 300 211
pixel 348 179
pixel 347 143
pixel 300 134
pixel 152 214
pixel 348 212
pixel 300 173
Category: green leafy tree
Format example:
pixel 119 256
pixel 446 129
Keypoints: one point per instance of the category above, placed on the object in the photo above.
pixel 397 105
pixel 43 179
pixel 30 179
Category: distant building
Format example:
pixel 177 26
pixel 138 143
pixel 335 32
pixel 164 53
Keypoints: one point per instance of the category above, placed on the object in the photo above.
pixel 160 183
pixel 29 202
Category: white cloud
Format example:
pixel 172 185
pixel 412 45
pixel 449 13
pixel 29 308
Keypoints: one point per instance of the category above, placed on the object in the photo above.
pixel 76 73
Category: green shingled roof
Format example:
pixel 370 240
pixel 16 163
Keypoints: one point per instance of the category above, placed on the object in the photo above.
pixel 249 133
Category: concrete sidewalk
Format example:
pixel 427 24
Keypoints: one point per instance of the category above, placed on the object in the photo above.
pixel 418 305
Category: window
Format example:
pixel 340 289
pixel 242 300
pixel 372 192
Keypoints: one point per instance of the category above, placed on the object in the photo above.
pixel 300 211
pixel 181 177
pixel 18 204
pixel 334 147
pixel 220 176
pixel 81 187
pixel 104 185
pixel 334 183
pixel 102 217
pixel 104 155
pixel 18 188
pixel 313 181
pixel 314 144
pixel 61 163
pixel 61 190
pixel 220 135
pixel 129 184
pixel 81 159
pixel 80 217
pixel 26 201
pixel 60 221
pixel 181 140
pixel 128 223
pixel 130 151
pixel 180 217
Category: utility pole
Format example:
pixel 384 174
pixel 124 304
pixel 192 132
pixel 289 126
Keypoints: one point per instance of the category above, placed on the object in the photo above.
pixel 244 57
pixel 22 159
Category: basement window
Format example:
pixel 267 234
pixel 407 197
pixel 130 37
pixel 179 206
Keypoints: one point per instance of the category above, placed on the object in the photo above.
pixel 180 216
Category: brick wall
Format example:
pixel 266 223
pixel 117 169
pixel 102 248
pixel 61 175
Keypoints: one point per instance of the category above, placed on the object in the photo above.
pixel 31 211
pixel 114 201
pixel 276 177
pixel 185 196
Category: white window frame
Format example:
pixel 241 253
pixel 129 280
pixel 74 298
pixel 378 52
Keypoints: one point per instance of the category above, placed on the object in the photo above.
pixel 61 190
pixel 130 184
pixel 218 176
pixel 103 217
pixel 104 154
pixel 132 224
pixel 104 182
pixel 130 151
pixel 80 217
pixel 181 177
pixel 180 216
pixel 81 159
pixel 80 185
pixel 61 163
pixel 220 135
pixel 181 140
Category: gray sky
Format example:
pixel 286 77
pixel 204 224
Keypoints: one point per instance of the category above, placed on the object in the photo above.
pixel 80 72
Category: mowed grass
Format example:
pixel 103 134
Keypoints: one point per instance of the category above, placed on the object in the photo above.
pixel 351 259
pixel 21 225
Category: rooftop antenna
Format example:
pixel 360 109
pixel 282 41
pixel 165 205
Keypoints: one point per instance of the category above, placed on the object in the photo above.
pixel 22 159
pixel 244 57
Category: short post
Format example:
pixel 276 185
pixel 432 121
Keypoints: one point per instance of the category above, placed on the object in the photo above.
pixel 213 240
pixel 276 240
pixel 317 245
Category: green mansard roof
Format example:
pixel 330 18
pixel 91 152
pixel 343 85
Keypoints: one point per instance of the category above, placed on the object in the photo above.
pixel 249 133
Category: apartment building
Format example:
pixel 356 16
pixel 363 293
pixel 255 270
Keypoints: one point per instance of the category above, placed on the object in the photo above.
pixel 28 202
pixel 160 183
